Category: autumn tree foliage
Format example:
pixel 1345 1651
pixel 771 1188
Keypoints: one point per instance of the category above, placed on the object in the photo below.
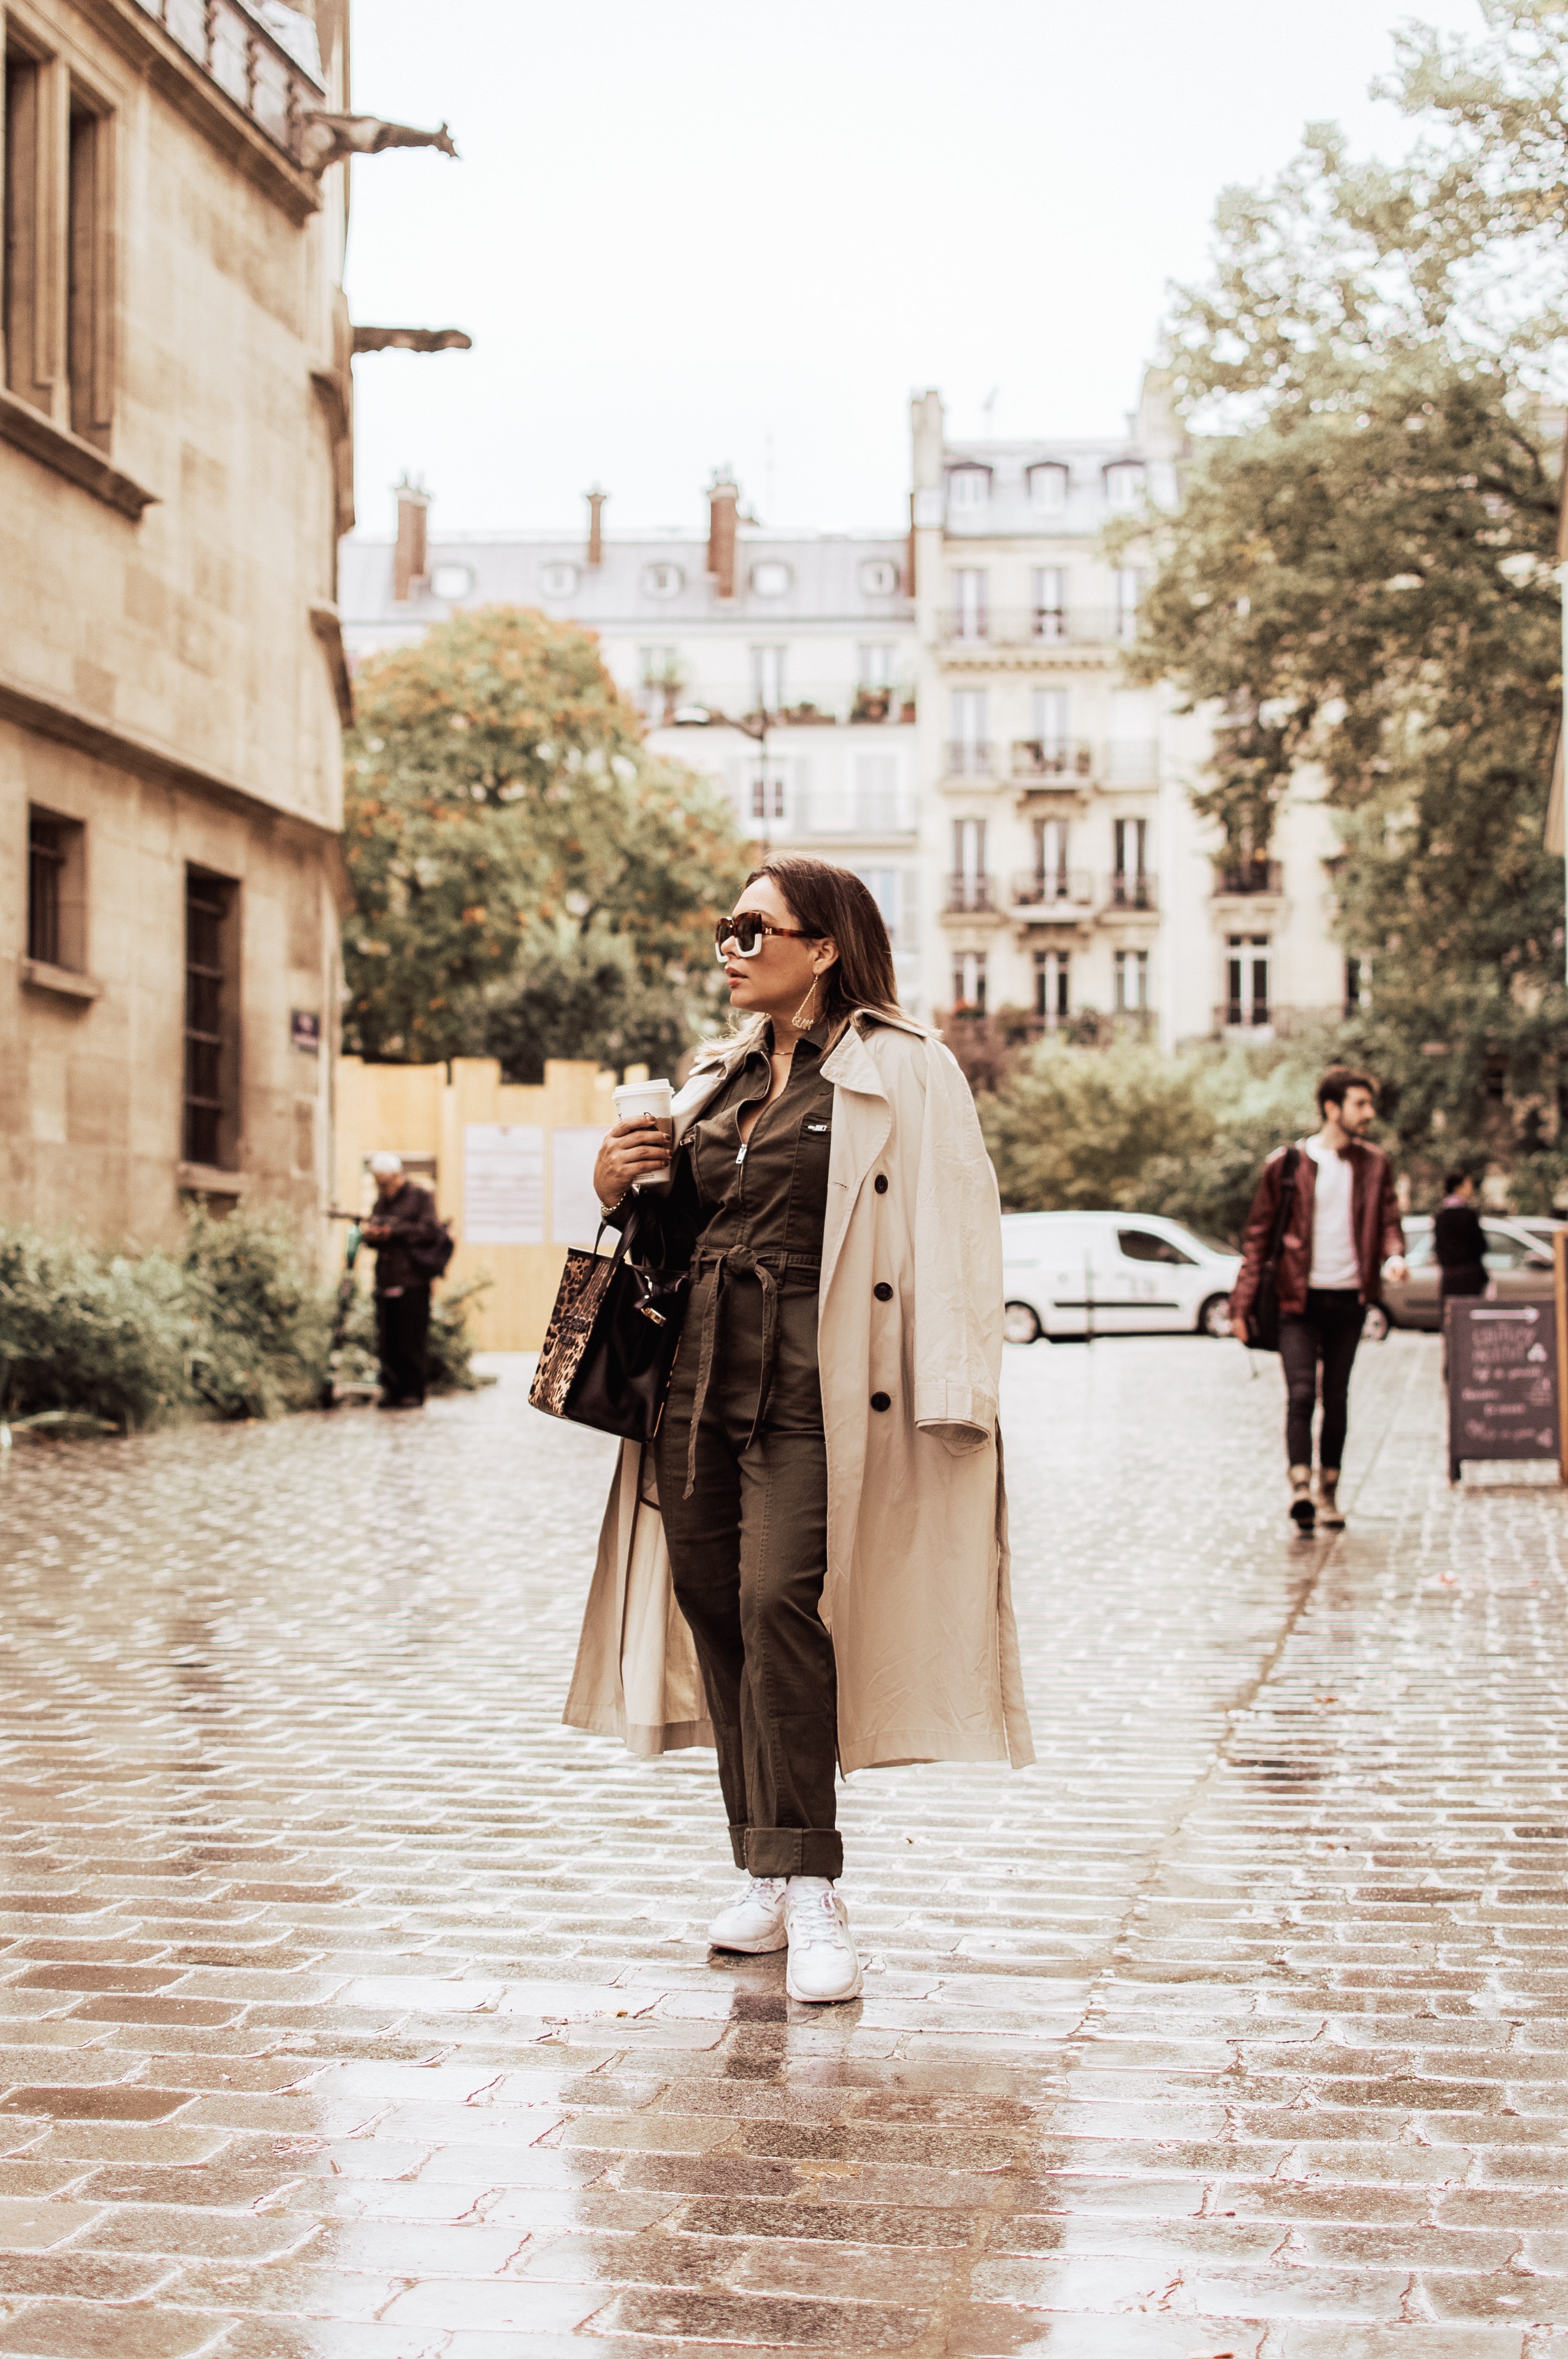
pixel 529 881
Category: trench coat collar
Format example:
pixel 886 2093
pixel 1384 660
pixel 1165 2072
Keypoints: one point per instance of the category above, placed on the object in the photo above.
pixel 848 1064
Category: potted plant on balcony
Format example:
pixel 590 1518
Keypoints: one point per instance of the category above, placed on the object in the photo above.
pixel 872 704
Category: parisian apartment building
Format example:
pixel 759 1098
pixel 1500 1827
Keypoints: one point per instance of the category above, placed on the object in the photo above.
pixel 174 431
pixel 944 708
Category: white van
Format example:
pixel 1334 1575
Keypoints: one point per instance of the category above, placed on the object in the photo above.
pixel 1076 1274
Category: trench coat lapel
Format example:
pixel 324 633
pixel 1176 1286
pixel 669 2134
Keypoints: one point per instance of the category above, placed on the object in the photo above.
pixel 858 1091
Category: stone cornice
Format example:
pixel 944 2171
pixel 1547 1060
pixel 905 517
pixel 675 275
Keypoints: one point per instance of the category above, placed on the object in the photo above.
pixel 67 724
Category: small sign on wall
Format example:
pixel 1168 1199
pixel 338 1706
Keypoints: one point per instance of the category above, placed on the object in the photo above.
pixel 305 1031
pixel 504 1183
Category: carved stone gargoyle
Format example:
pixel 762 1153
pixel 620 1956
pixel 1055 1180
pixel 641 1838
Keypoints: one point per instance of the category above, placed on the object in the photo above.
pixel 327 140
pixel 412 340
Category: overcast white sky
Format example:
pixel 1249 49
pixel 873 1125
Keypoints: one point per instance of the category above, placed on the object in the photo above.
pixel 709 231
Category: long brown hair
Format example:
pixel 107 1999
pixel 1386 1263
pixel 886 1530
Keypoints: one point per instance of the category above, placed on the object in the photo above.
pixel 834 902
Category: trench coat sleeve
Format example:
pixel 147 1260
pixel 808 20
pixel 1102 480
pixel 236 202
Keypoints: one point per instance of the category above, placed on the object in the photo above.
pixel 958 1267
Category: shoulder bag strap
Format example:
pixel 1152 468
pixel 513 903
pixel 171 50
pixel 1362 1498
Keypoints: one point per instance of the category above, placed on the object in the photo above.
pixel 1282 1210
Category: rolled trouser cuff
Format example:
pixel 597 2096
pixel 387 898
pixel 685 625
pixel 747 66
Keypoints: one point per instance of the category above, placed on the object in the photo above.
pixel 738 1845
pixel 792 1851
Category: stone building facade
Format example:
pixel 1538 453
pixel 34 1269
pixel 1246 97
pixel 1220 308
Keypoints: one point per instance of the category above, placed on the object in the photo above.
pixel 947 711
pixel 174 437
pixel 782 665
pixel 1075 881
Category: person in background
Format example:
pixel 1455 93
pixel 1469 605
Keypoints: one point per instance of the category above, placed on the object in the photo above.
pixel 1344 1224
pixel 402 1222
pixel 1458 1239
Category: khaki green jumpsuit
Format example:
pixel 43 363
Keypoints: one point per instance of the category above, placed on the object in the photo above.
pixel 741 1457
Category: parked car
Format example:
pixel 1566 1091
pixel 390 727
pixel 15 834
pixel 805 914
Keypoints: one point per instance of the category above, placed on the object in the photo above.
pixel 1078 1274
pixel 1518 1264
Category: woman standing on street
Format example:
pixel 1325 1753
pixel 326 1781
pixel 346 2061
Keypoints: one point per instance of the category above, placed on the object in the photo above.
pixel 829 1506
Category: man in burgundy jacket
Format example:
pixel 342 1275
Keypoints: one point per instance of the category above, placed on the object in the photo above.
pixel 1343 1225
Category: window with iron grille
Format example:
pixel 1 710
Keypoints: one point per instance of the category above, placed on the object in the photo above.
pixel 210 1020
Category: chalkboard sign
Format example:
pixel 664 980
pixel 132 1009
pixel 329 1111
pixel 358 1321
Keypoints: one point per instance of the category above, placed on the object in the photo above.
pixel 1503 1391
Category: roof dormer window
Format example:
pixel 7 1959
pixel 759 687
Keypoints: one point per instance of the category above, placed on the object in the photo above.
pixel 771 578
pixel 968 488
pixel 1124 484
pixel 1048 488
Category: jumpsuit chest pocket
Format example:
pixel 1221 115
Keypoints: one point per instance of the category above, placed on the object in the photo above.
pixel 807 1191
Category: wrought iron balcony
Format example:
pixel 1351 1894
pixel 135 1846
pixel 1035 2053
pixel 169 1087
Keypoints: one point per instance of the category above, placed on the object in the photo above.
pixel 1248 876
pixel 1236 1016
pixel 1132 891
pixel 970 759
pixel 673 702
pixel 971 897
pixel 1064 892
pixel 1051 757
pixel 1038 627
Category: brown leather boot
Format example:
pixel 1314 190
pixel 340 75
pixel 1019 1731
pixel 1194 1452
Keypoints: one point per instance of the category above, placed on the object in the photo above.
pixel 1329 1513
pixel 1304 1515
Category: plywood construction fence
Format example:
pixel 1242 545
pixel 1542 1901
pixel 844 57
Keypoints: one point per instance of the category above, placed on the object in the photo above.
pixel 512 1170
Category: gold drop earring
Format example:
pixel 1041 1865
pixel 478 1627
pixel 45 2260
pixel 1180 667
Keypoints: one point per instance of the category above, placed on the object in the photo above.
pixel 800 1021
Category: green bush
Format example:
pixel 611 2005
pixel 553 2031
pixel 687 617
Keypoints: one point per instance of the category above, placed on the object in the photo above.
pixel 261 1319
pixel 1129 1128
pixel 95 1334
pixel 236 1323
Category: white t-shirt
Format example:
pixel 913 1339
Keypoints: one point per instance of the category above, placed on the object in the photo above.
pixel 1335 1261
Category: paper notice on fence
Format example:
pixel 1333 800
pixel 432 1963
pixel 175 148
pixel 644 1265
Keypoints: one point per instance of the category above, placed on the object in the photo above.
pixel 574 1207
pixel 504 1183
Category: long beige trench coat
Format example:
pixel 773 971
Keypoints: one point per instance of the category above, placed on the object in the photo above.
pixel 917 1593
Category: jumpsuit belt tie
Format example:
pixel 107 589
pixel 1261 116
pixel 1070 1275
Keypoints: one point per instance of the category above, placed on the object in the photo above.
pixel 766 1270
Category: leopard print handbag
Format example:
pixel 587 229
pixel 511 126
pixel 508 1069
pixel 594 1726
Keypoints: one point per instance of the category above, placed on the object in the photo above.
pixel 610 1343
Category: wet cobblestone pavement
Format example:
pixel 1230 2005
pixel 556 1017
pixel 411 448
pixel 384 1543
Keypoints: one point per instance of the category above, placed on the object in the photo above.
pixel 353 2009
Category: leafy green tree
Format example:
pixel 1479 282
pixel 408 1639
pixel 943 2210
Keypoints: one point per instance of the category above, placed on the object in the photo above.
pixel 582 997
pixel 501 811
pixel 1358 583
pixel 1130 1129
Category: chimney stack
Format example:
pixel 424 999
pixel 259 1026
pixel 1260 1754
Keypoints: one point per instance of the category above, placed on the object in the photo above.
pixel 596 500
pixel 724 507
pixel 409 563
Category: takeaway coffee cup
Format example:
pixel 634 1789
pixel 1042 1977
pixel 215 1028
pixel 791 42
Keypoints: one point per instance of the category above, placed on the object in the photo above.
pixel 634 1102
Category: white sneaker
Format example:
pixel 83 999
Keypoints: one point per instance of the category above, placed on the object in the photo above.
pixel 823 1965
pixel 755 1922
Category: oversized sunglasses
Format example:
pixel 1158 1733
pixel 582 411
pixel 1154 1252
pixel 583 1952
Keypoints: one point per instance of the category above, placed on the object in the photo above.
pixel 748 932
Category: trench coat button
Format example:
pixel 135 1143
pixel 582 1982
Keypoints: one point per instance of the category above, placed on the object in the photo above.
pixel 881 1183
pixel 882 1292
pixel 881 1401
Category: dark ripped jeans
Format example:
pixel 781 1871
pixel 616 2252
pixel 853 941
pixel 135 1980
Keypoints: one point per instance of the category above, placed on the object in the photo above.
pixel 1325 1334
pixel 748 1556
